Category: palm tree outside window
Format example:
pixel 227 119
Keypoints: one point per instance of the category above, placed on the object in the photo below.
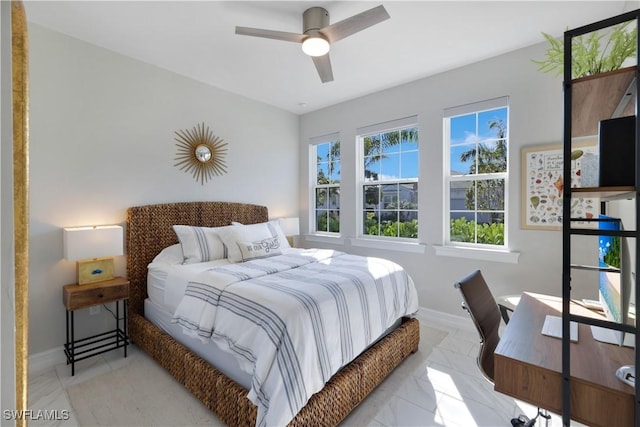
pixel 476 142
pixel 390 165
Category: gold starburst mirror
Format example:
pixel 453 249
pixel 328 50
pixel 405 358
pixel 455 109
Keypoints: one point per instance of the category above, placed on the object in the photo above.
pixel 200 153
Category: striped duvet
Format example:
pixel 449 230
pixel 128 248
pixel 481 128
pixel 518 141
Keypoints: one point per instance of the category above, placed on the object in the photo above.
pixel 294 320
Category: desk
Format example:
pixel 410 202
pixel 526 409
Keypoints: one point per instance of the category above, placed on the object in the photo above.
pixel 528 366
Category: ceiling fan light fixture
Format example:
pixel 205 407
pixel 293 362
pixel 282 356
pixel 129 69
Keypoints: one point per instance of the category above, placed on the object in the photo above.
pixel 318 33
pixel 315 46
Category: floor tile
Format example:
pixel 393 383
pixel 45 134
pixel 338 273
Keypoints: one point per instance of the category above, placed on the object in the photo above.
pixel 400 412
pixel 439 385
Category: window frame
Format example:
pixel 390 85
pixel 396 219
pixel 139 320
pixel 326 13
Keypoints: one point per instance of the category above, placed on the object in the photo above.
pixel 361 134
pixel 450 113
pixel 313 184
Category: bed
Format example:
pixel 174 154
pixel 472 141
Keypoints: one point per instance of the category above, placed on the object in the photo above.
pixel 149 231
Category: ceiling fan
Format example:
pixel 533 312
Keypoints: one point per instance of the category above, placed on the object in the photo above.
pixel 317 34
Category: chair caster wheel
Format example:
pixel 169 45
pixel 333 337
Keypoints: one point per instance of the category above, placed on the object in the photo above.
pixel 521 421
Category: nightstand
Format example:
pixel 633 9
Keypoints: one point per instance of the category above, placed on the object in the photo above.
pixel 75 297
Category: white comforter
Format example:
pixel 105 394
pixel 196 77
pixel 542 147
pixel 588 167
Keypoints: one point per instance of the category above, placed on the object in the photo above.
pixel 294 320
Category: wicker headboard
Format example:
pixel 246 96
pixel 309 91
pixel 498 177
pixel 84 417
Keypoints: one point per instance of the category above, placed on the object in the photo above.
pixel 149 231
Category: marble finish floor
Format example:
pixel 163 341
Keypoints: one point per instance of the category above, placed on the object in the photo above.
pixel 440 385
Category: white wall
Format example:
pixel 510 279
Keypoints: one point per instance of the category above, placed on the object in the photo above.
pixel 535 102
pixel 102 139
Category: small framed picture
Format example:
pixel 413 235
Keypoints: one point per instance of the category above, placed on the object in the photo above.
pixel 95 270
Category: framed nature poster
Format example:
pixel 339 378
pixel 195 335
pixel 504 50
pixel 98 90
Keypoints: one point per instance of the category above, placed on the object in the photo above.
pixel 543 183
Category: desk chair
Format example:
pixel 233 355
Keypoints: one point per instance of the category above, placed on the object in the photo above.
pixel 485 313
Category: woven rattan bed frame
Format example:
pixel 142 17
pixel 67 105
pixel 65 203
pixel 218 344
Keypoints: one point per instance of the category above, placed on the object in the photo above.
pixel 148 232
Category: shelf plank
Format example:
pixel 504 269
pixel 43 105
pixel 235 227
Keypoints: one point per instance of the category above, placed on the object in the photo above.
pixel 595 98
pixel 595 268
pixel 609 193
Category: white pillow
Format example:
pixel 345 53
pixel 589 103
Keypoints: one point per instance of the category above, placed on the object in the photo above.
pixel 170 255
pixel 245 233
pixel 259 249
pixel 276 229
pixel 200 244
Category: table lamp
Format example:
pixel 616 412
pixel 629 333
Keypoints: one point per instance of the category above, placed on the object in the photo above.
pixel 94 248
pixel 290 227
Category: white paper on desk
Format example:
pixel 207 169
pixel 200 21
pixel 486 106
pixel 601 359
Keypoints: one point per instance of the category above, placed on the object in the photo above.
pixel 553 327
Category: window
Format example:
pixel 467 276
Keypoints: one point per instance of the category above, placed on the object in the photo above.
pixel 389 179
pixel 476 145
pixel 326 183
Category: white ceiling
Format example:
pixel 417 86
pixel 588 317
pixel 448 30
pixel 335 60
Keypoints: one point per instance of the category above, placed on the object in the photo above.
pixel 422 38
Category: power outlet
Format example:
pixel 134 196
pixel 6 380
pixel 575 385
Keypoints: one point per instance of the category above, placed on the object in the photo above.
pixel 95 309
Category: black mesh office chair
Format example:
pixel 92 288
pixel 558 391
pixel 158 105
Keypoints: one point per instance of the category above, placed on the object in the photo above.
pixel 486 314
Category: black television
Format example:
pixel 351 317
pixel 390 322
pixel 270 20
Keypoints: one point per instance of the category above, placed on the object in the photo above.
pixel 616 139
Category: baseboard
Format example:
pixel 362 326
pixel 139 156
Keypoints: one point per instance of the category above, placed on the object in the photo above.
pixel 46 360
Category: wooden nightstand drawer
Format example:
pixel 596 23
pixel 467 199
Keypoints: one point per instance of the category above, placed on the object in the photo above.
pixel 80 296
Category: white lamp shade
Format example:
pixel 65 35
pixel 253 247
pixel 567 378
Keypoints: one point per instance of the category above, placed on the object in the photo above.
pixel 92 242
pixel 315 46
pixel 290 226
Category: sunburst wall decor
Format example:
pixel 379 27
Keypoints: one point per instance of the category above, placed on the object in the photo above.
pixel 200 152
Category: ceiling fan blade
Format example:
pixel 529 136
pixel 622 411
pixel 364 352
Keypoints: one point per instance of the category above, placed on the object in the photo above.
pixel 352 25
pixel 270 34
pixel 323 65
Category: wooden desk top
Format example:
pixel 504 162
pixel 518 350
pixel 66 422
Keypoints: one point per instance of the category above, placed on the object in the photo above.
pixel 529 365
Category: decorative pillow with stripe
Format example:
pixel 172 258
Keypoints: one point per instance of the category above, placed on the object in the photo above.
pixel 200 244
pixel 276 230
pixel 259 249
pixel 241 234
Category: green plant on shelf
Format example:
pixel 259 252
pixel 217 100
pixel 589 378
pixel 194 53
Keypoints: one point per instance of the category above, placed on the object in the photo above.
pixel 589 56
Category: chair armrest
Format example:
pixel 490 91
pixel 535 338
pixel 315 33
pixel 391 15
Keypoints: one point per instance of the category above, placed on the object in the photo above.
pixel 505 312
